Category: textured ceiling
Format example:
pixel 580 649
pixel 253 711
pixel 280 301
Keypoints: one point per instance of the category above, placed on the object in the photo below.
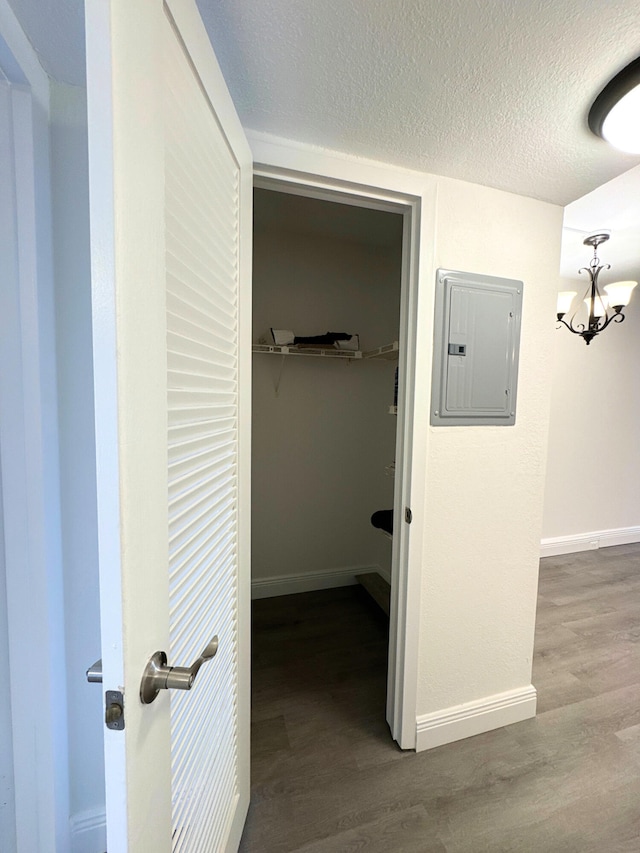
pixel 491 91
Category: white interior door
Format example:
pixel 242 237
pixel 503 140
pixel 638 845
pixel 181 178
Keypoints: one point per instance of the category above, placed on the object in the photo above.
pixel 170 187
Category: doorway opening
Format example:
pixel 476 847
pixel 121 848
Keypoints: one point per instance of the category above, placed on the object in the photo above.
pixel 333 343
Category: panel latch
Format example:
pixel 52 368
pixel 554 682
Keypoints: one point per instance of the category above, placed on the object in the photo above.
pixel 457 349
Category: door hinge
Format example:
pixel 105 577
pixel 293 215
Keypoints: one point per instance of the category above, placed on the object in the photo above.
pixel 408 515
pixel 114 710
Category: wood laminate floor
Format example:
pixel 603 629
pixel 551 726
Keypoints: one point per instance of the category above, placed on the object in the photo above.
pixel 326 777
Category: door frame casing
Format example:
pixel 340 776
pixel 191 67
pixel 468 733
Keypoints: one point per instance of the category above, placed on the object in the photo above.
pixel 290 167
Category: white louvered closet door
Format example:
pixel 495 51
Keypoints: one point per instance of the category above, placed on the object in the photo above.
pixel 202 221
pixel 171 187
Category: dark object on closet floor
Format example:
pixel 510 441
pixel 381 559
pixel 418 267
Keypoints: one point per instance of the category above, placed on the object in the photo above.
pixel 383 520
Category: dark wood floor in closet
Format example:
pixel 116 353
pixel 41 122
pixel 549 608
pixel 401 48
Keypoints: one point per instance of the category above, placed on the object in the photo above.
pixel 326 776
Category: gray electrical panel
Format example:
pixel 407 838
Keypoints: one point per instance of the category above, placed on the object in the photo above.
pixel 476 348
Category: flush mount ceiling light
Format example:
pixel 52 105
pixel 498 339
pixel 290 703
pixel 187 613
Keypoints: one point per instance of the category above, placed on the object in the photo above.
pixel 602 308
pixel 615 114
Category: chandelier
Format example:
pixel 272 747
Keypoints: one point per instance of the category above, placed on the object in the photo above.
pixel 602 308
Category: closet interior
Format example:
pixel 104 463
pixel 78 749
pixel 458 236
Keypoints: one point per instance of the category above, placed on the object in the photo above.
pixel 326 316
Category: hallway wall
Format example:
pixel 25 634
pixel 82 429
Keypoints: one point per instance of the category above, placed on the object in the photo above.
pixel 485 485
pixel 591 494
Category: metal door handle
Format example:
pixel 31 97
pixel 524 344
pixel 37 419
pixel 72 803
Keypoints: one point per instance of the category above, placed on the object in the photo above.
pixel 94 673
pixel 158 676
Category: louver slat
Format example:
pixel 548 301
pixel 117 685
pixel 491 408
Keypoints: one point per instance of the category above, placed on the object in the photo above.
pixel 201 197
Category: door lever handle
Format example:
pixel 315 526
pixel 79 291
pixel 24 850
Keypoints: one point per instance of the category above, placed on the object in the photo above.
pixel 158 676
pixel 94 673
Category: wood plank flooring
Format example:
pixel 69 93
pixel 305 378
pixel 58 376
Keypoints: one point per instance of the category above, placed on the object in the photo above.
pixel 326 777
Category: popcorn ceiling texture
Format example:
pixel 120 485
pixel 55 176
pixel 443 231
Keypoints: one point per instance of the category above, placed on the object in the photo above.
pixel 491 91
pixel 494 92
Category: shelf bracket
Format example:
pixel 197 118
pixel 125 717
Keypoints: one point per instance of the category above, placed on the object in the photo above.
pixel 276 387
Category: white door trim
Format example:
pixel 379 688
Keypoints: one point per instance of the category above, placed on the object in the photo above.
pixel 298 169
pixel 29 451
pixel 103 273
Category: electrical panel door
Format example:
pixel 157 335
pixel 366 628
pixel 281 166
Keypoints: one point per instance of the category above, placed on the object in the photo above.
pixel 476 345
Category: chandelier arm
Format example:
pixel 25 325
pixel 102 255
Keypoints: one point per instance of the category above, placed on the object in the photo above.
pixel 576 331
pixel 618 318
pixel 594 272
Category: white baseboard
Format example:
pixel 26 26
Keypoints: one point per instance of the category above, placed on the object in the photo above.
pixel 89 831
pixel 474 718
pixel 384 573
pixel 290 584
pixel 557 545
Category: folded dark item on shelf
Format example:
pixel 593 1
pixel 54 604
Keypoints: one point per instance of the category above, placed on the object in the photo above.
pixel 383 520
pixel 326 340
pixel 335 340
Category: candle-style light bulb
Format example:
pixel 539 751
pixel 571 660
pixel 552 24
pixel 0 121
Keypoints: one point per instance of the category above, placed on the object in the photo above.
pixel 565 298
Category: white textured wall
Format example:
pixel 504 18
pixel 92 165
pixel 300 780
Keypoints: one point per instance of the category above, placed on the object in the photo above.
pixel 31 467
pixel 70 202
pixel 593 472
pixel 320 447
pixel 484 485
